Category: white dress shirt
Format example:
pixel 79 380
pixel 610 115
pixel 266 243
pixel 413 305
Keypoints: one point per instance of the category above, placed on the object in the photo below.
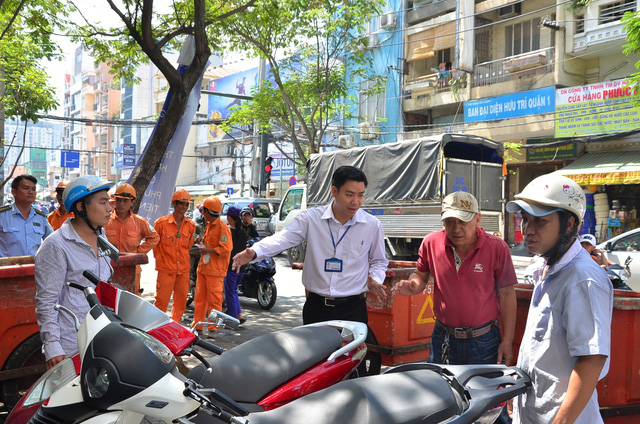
pixel 361 250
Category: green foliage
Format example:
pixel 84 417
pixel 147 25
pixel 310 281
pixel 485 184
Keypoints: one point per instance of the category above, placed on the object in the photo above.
pixel 26 40
pixel 324 56
pixel 632 27
pixel 578 4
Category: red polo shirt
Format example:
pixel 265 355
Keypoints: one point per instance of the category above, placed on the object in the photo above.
pixel 468 297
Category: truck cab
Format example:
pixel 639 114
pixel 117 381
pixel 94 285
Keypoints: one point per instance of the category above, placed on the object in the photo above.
pixel 293 202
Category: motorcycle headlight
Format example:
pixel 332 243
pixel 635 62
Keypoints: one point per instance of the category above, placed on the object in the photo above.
pixel 50 381
pixel 97 381
pixel 159 350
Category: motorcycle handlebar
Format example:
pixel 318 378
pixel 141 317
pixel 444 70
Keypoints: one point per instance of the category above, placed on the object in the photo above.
pixel 209 346
pixel 91 277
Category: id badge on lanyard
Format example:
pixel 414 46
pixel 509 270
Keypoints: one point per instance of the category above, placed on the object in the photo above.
pixel 334 264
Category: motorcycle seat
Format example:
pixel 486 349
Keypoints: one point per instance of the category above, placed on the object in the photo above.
pixel 419 396
pixel 248 372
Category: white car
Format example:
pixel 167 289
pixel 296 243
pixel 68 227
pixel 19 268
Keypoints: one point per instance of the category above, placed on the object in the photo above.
pixel 619 248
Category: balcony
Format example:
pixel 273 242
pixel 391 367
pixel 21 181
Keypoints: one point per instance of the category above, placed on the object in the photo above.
pixel 511 68
pixel 428 9
pixel 432 90
pixel 594 39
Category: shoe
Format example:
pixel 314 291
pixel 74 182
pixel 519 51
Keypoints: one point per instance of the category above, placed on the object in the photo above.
pixel 242 320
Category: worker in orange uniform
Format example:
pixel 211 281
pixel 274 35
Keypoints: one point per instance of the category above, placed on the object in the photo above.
pixel 215 250
pixel 127 230
pixel 58 216
pixel 173 263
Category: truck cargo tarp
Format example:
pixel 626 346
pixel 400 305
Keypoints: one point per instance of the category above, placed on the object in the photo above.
pixel 401 172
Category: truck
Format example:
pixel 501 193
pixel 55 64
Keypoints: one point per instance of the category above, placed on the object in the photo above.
pixel 406 184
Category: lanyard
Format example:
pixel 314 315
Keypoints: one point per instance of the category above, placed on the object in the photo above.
pixel 335 245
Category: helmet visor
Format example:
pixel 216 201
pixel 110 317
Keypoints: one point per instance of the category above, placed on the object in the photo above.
pixel 534 209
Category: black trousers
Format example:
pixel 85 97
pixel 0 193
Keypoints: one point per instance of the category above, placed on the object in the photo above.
pixel 315 310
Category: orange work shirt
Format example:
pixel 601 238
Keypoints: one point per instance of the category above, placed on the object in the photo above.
pixel 217 235
pixel 172 252
pixel 56 219
pixel 126 235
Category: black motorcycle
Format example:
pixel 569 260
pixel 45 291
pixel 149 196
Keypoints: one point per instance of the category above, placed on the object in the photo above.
pixel 257 282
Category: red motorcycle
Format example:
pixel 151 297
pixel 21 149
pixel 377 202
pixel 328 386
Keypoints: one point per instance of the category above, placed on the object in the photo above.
pixel 273 369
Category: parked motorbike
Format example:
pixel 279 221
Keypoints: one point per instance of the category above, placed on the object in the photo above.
pixel 257 282
pixel 619 274
pixel 279 367
pixel 112 387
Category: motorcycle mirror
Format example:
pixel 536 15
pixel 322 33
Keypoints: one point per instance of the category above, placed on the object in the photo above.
pixel 107 249
pixel 628 261
pixel 223 320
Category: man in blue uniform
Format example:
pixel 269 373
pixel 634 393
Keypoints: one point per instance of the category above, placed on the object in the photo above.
pixel 22 227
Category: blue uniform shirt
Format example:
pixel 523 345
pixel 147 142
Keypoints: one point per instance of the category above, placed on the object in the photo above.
pixel 19 236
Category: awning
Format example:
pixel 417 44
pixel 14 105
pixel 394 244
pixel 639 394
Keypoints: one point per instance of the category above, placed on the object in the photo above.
pixel 605 168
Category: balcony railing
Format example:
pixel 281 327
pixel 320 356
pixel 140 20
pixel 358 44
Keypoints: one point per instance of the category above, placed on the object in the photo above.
pixel 528 64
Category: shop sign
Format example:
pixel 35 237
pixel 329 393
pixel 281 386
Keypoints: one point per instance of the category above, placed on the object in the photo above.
pixel 510 106
pixel 606 107
pixel 539 154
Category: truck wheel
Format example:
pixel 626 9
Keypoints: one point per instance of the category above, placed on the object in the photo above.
pixel 27 354
pixel 267 294
pixel 296 254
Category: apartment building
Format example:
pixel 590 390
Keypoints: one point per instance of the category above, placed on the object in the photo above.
pixel 90 93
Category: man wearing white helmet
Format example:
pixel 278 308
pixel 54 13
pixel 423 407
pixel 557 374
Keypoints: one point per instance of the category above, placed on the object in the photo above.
pixel 63 257
pixel 566 344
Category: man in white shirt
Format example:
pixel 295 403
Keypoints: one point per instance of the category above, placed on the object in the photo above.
pixel 345 252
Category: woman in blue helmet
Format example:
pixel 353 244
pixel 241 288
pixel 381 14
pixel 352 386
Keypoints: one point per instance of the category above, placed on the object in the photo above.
pixel 63 257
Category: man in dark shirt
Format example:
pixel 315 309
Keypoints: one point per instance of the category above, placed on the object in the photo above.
pixel 232 279
pixel 247 223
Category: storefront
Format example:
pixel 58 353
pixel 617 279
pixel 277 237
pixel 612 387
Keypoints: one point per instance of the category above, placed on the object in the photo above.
pixel 612 182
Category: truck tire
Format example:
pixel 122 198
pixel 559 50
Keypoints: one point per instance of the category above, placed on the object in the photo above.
pixel 28 353
pixel 297 253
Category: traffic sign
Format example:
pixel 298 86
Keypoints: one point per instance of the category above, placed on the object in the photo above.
pixel 229 191
pixel 292 181
pixel 69 159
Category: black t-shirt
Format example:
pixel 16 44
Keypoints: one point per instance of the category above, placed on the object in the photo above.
pixel 251 231
pixel 240 239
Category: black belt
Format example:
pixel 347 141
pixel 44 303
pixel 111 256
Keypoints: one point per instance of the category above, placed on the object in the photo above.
pixel 468 332
pixel 338 301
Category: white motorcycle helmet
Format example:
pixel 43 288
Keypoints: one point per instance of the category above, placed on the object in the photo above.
pixel 548 194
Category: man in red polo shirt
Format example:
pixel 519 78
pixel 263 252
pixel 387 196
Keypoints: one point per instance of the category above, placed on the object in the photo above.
pixel 473 283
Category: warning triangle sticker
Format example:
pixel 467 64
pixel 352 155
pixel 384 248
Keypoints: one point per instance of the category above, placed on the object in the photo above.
pixel 426 313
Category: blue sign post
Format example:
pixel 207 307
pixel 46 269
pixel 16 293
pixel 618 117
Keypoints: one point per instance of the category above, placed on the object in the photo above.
pixel 511 105
pixel 129 155
pixel 229 191
pixel 69 159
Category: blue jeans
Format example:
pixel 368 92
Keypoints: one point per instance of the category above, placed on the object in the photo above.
pixel 231 282
pixel 478 350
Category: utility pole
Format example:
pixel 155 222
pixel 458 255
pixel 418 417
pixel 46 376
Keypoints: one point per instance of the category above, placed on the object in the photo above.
pixel 257 162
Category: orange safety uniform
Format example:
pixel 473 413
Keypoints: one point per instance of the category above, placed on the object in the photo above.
pixel 173 263
pixel 211 275
pixel 126 237
pixel 56 219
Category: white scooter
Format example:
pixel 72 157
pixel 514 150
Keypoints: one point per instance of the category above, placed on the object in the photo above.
pixel 113 387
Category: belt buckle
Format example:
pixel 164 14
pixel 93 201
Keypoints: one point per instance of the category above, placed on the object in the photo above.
pixel 328 304
pixel 462 333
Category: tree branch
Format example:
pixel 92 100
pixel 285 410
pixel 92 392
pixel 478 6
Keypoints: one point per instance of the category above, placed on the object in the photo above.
pixel 13 18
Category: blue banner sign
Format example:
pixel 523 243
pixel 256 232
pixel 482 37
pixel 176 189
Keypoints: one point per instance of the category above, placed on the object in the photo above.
pixel 511 105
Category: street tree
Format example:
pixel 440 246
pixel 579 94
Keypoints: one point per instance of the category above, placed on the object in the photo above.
pixel 144 34
pixel 27 31
pixel 315 51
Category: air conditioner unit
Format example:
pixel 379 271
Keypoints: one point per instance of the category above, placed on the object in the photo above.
pixel 347 141
pixel 510 10
pixel 388 20
pixel 369 130
pixel 372 40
